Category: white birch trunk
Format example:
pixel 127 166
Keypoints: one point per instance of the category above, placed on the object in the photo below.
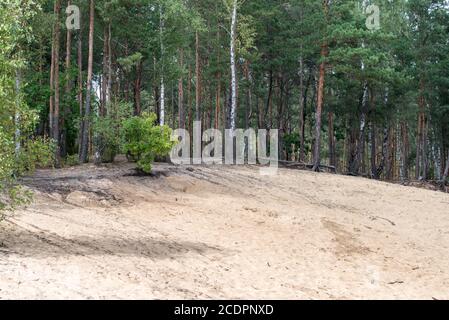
pixel 162 109
pixel 233 68
pixel 17 114
pixel 109 86
pixel 162 115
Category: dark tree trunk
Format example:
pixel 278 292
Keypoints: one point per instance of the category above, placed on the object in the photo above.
pixel 405 151
pixel 373 140
pixel 218 93
pixel 104 81
pixel 421 145
pixel 218 102
pixel 137 90
pixel 332 157
pixel 359 151
pixel 86 120
pixel 373 151
pixel 446 170
pixel 248 107
pixel 302 154
pixel 68 88
pixel 198 78
pixel 80 89
pixel 55 129
pixel 319 108
pixel 182 117
pixel 268 110
pixel 320 98
pixel 189 99
pixel 381 167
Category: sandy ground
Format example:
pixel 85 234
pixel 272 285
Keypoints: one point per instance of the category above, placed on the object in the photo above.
pixel 224 233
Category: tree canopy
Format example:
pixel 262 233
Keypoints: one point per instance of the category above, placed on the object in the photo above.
pixel 361 86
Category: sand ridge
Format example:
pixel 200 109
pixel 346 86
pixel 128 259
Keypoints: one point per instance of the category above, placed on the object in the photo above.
pixel 224 233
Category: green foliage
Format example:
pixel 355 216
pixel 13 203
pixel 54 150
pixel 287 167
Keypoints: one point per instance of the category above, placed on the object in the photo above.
pixel 72 160
pixel 19 152
pixel 108 130
pixel 131 61
pixel 144 140
pixel 278 53
pixel 14 197
pixel 7 162
pixel 35 153
pixel 292 142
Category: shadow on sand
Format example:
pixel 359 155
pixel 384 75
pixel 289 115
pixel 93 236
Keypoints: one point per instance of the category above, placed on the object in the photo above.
pixel 41 244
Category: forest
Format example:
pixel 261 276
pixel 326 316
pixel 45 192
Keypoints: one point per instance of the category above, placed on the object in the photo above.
pixel 358 86
pixel 93 94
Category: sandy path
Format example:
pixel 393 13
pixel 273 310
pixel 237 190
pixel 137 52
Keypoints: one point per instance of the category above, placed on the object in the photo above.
pixel 224 232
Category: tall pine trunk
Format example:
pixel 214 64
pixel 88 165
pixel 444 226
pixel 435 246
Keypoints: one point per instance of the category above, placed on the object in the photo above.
pixel 269 106
pixel 320 99
pixel 218 89
pixel 68 88
pixel 248 105
pixel 181 110
pixel 373 151
pixel 55 129
pixel 302 151
pixel 319 111
pixel 80 88
pixel 104 81
pixel 189 100
pixel 421 152
pixel 86 119
pixel 52 80
pixel 332 156
pixel 359 153
pixel 446 170
pixel 137 91
pixel 404 151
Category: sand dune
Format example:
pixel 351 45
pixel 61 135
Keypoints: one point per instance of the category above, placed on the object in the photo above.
pixel 224 233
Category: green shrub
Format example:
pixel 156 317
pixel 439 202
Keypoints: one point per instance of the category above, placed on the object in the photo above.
pixel 34 153
pixel 291 143
pixel 17 121
pixel 143 140
pixel 7 165
pixel 108 130
pixel 72 160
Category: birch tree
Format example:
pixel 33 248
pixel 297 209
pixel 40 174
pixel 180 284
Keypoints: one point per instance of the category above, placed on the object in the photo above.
pixel 161 39
pixel 233 66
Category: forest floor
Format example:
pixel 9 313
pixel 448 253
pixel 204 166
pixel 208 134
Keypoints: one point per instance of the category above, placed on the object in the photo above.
pixel 224 233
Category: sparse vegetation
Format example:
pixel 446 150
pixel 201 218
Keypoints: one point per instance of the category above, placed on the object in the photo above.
pixel 144 140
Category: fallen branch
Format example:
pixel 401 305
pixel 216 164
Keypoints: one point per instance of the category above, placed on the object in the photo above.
pixel 293 164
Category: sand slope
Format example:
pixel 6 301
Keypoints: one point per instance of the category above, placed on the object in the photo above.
pixel 223 232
